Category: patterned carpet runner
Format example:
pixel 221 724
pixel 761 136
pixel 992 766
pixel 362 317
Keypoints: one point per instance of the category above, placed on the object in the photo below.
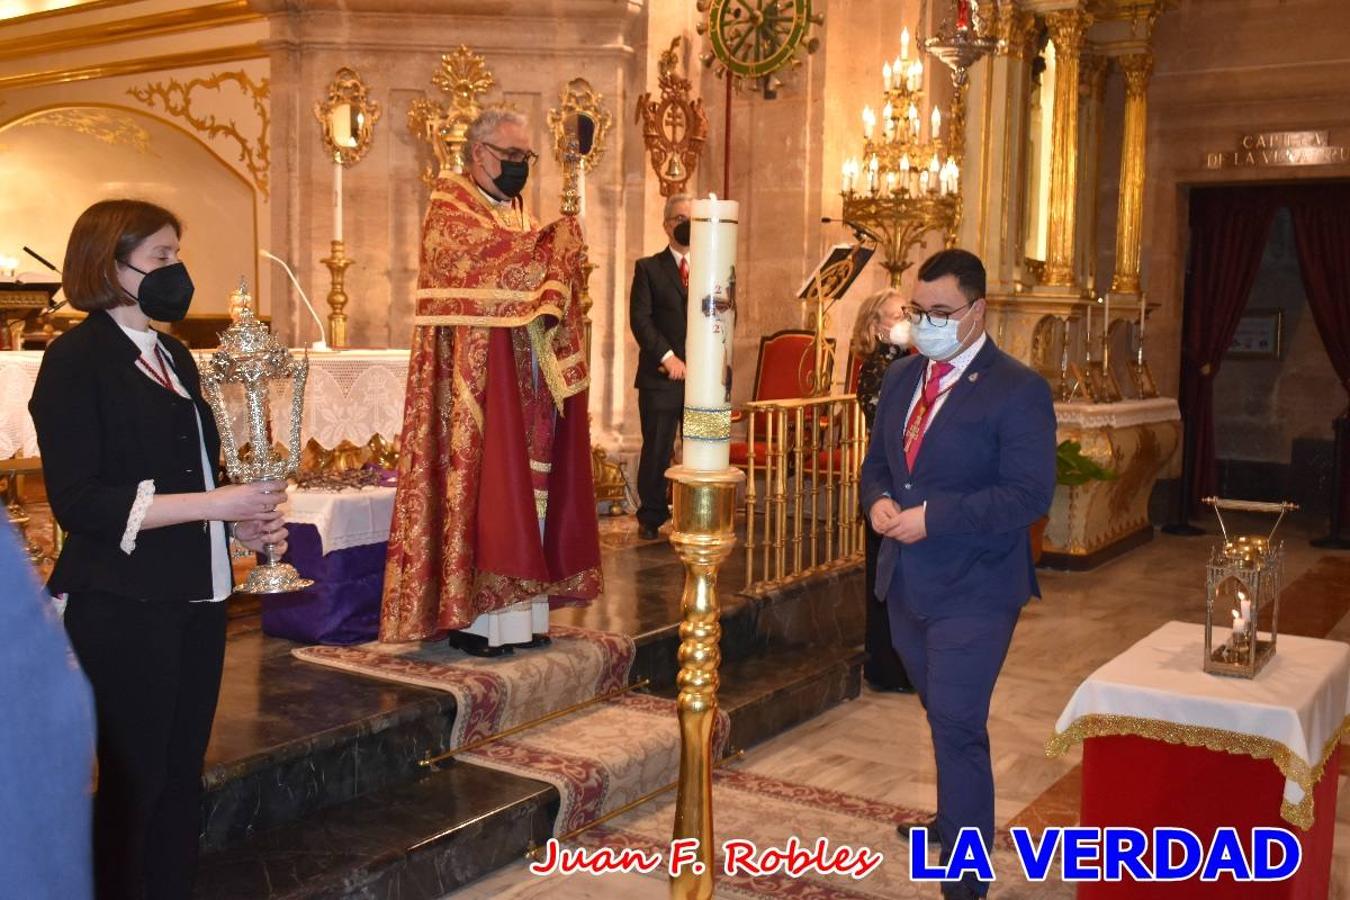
pixel 599 758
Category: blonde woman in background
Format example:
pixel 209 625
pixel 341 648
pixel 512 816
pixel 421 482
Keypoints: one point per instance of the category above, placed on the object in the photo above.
pixel 880 337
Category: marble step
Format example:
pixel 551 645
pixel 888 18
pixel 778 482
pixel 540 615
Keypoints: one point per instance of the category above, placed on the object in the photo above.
pixel 291 738
pixel 428 837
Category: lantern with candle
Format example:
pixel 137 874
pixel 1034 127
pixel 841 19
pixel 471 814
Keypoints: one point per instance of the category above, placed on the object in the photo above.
pixel 1245 575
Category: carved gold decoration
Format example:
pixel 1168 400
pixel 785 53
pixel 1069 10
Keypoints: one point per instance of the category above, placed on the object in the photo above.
pixel 610 485
pixel 579 125
pixel 137 66
pixel 173 21
pixel 753 39
pixel 1067 29
pixel 1137 67
pixel 177 97
pixel 675 127
pixel 1016 30
pixel 106 126
pixel 347 117
pixel 463 77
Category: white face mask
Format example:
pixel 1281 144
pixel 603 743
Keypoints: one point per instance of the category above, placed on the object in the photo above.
pixel 938 342
pixel 900 334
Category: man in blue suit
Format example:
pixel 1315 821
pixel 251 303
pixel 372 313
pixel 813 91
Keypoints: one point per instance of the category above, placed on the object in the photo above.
pixel 961 462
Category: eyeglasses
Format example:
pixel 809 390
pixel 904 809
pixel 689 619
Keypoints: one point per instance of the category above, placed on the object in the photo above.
pixel 512 154
pixel 935 317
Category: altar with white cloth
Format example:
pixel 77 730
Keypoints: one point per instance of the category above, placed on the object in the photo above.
pixel 1167 744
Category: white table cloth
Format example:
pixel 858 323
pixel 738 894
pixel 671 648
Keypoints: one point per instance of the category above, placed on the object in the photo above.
pixel 351 395
pixel 1293 713
pixel 344 519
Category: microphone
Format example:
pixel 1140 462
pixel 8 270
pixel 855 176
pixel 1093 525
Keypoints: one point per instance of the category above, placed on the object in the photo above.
pixel 33 253
pixel 322 343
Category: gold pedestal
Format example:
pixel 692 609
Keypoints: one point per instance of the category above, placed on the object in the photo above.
pixel 703 536
pixel 337 263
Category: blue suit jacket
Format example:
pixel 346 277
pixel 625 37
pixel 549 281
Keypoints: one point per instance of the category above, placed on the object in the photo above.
pixel 986 469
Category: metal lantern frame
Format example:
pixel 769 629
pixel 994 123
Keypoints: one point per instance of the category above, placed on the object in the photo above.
pixel 250 356
pixel 1256 564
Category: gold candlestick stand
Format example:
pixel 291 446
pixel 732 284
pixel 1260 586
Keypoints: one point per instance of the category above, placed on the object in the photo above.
pixel 703 536
pixel 337 263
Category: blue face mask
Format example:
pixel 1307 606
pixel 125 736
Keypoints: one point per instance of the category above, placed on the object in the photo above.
pixel 937 342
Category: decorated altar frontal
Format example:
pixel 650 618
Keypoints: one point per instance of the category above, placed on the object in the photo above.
pixel 1093 522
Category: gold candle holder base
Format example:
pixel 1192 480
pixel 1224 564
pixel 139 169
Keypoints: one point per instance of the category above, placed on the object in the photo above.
pixel 337 263
pixel 704 534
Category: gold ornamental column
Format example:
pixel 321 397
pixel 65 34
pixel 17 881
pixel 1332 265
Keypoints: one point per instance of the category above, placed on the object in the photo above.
pixel 1067 30
pixel 703 536
pixel 1137 67
pixel 1091 113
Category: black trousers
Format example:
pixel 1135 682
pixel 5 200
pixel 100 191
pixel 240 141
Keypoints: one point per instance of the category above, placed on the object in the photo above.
pixel 883 667
pixel 660 413
pixel 155 670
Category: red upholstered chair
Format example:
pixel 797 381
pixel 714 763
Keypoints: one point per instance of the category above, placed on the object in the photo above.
pixel 854 370
pixel 784 365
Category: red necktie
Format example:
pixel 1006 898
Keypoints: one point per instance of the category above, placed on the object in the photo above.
pixel 684 272
pixel 923 410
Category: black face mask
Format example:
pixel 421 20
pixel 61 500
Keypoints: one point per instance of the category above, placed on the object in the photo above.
pixel 165 293
pixel 512 180
pixel 681 232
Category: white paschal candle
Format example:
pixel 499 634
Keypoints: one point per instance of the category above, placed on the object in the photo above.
pixel 708 342
pixel 337 199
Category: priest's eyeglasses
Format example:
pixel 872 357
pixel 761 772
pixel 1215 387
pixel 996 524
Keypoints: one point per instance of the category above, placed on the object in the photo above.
pixel 512 154
pixel 935 317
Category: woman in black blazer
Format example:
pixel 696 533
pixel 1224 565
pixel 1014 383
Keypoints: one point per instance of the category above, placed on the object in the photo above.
pixel 130 457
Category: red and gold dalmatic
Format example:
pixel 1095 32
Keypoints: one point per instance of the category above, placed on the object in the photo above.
pixel 495 430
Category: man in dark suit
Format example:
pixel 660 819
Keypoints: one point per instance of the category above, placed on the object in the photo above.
pixel 656 313
pixel 961 462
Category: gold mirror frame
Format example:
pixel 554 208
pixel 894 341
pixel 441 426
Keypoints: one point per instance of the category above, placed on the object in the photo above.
pixel 578 99
pixel 349 91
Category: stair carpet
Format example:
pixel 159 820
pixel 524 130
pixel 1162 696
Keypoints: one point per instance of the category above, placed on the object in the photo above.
pixel 348 812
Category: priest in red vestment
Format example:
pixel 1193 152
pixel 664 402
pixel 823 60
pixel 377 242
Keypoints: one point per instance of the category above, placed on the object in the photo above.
pixel 495 509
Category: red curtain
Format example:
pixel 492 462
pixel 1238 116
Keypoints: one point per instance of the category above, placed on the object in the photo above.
pixel 1322 235
pixel 1228 236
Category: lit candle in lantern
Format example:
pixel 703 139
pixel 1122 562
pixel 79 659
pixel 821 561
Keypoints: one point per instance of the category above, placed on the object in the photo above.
pixel 904 43
pixel 936 124
pixel 711 319
pixel 869 122
pixel 962 14
pixel 886 75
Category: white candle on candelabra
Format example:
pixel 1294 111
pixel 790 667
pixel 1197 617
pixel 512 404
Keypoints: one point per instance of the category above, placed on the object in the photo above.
pixel 869 122
pixel 936 124
pixel 904 43
pixel 872 176
pixel 1143 313
pixel 923 181
pixel 888 120
pixel 886 75
pixel 890 183
pixel 1246 607
pixel 337 198
pixel 1106 327
pixel 711 319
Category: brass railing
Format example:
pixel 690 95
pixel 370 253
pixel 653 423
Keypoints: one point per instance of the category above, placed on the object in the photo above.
pixel 801 495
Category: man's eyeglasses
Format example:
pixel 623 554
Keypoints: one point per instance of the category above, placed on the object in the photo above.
pixel 938 318
pixel 512 154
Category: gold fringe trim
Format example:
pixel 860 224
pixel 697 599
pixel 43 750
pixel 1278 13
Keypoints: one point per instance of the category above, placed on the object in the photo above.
pixel 506 296
pixel 541 466
pixel 488 321
pixel 541 502
pixel 1290 765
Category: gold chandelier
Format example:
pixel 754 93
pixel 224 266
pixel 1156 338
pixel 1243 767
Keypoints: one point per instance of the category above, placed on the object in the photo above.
pixel 908 180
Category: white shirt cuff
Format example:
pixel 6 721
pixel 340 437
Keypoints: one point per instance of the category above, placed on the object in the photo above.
pixel 668 355
pixel 145 495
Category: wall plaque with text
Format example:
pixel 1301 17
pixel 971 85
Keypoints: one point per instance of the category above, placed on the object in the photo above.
pixel 1279 148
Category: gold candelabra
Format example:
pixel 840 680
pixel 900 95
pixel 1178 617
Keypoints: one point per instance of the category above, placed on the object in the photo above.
pixel 337 263
pixel 704 535
pixel 901 188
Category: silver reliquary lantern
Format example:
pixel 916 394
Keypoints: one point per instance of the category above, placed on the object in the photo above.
pixel 1242 594
pixel 250 357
